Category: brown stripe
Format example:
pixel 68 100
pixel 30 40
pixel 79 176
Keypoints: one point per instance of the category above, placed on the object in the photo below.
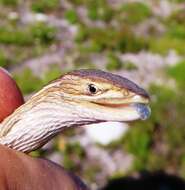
pixel 117 80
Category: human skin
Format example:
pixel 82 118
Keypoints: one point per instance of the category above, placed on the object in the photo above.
pixel 10 95
pixel 19 171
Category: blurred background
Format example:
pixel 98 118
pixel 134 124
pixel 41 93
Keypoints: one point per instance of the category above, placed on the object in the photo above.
pixel 141 40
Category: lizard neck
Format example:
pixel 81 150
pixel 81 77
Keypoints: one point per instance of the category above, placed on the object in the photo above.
pixel 34 124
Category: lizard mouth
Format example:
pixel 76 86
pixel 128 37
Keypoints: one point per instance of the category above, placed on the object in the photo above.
pixel 142 109
pixel 120 109
pixel 128 111
pixel 140 105
pixel 134 108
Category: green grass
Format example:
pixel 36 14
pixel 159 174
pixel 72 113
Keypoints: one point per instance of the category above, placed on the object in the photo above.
pixel 114 63
pixel 27 36
pixel 21 43
pixel 28 82
pixel 99 10
pixel 178 73
pixel 127 65
pixel 15 36
pixel 43 33
pixel 53 72
pixel 176 1
pixel 126 41
pixel 71 16
pixel 4 60
pixel 134 13
pixel 45 5
pixel 177 17
pixel 77 2
pixel 121 40
pixel 164 44
pixel 73 154
pixel 176 31
pixel 174 36
pixel 11 3
pixel 139 144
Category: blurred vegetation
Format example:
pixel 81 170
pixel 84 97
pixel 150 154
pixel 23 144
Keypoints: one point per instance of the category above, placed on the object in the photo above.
pixel 121 40
pixel 177 72
pixel 174 36
pixel 114 63
pixel 134 13
pixel 158 142
pixel 28 82
pixel 99 10
pixel 102 29
pixel 71 16
pixel 38 33
pixel 44 5
pixel 16 42
pixel 9 2
pixel 25 79
pixel 162 136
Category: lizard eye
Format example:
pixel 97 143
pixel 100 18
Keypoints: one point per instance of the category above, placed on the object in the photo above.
pixel 92 89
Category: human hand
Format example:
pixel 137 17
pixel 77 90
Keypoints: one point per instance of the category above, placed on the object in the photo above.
pixel 19 171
